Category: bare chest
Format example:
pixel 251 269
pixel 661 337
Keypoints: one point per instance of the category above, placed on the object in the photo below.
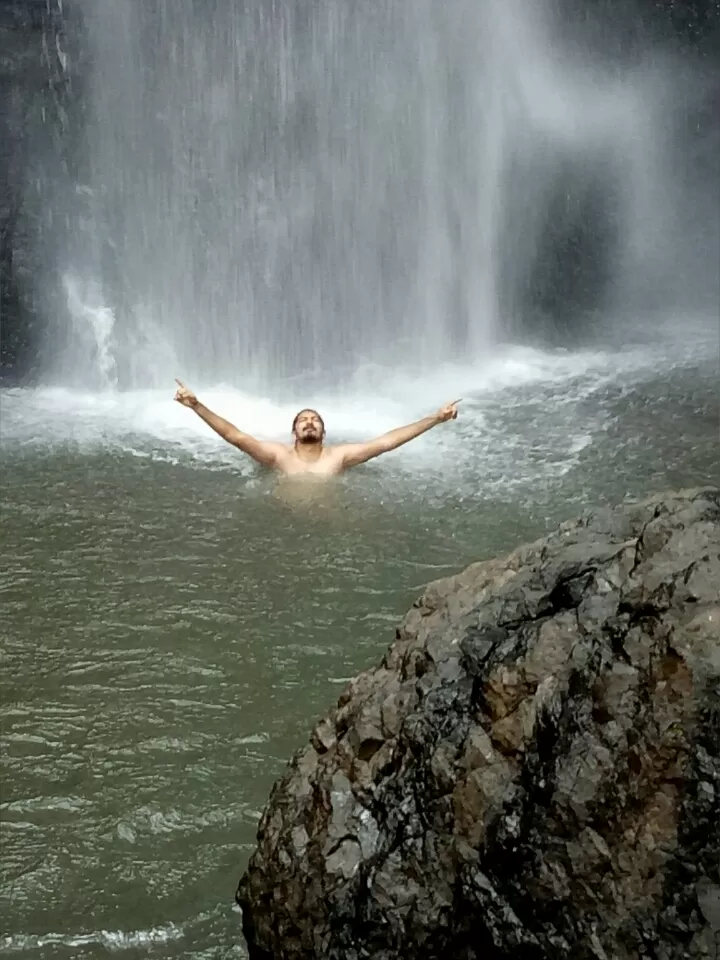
pixel 326 465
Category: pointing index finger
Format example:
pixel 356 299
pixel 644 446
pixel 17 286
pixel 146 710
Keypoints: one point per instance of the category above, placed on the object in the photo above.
pixel 180 383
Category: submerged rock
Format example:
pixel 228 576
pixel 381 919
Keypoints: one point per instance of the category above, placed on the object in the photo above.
pixel 532 772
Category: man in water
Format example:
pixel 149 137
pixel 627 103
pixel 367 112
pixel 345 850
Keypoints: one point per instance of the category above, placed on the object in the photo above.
pixel 308 453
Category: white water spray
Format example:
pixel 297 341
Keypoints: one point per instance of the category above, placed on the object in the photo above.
pixel 296 190
pixel 92 331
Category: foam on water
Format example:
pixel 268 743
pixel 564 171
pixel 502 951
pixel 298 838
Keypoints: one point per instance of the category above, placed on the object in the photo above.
pixel 374 401
pixel 528 415
pixel 104 939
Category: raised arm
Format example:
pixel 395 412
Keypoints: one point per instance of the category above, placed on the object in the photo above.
pixel 264 452
pixel 355 453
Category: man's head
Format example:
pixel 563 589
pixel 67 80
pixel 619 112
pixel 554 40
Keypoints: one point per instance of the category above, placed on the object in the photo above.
pixel 308 427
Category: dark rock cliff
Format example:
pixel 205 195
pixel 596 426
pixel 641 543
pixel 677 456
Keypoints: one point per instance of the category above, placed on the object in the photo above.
pixel 36 104
pixel 532 772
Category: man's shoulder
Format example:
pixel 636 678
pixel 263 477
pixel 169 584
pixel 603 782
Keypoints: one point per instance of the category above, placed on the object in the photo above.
pixel 337 451
pixel 281 450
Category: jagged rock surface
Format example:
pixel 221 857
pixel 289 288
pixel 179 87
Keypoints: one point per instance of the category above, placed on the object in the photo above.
pixel 532 772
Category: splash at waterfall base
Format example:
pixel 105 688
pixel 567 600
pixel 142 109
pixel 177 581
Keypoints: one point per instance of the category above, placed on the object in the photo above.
pixel 533 771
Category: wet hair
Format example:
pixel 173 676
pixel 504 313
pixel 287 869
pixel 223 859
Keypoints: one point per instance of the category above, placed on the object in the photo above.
pixel 308 410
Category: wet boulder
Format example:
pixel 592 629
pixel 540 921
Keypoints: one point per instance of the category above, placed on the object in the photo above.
pixel 533 771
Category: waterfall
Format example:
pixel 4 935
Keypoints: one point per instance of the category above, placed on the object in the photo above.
pixel 273 190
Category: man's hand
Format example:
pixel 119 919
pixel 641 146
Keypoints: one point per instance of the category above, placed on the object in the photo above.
pixel 448 412
pixel 184 395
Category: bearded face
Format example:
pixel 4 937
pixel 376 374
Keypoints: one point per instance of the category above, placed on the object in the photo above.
pixel 308 427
